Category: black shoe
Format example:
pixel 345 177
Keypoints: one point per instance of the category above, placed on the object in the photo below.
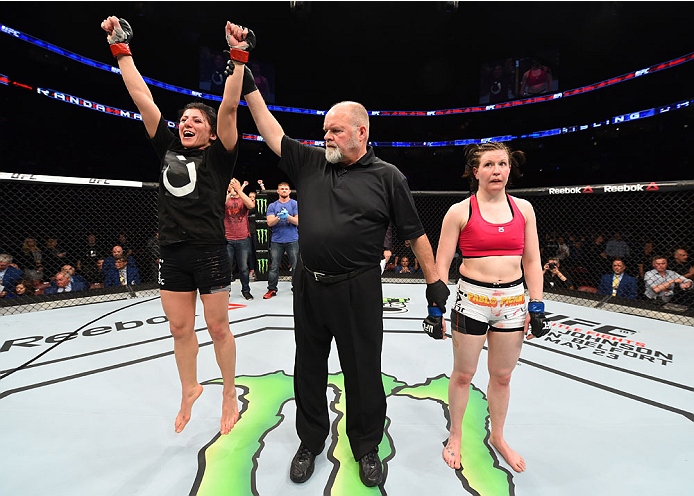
pixel 247 295
pixel 302 465
pixel 370 469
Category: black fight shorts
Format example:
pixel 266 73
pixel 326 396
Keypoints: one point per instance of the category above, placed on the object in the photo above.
pixel 189 267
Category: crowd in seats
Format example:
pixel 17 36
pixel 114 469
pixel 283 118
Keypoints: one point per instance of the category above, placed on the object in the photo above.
pixel 618 267
pixel 34 268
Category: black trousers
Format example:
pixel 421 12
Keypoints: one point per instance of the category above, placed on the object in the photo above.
pixel 350 311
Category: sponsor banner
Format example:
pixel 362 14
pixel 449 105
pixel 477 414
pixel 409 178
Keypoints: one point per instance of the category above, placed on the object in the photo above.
pixel 261 205
pixel 89 181
pixel 262 235
pixel 263 265
pixel 651 186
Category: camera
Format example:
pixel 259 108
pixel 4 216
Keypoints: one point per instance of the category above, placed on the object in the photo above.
pixel 552 265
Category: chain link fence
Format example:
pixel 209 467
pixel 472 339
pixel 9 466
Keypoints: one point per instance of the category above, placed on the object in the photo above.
pixel 582 229
pixel 54 223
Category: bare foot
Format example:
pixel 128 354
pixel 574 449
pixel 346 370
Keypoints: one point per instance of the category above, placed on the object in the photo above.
pixel 230 412
pixel 512 458
pixel 186 406
pixel 451 453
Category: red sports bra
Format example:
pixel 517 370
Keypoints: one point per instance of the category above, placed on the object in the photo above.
pixel 480 238
pixel 535 80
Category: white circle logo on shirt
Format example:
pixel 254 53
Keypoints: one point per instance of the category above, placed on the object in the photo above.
pixel 185 189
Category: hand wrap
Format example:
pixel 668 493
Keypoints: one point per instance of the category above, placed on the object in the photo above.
pixel 437 294
pixel 248 81
pixel 539 325
pixel 120 39
pixel 240 53
pixel 433 324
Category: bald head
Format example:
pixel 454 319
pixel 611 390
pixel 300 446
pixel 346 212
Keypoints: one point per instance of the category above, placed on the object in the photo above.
pixel 346 127
pixel 358 116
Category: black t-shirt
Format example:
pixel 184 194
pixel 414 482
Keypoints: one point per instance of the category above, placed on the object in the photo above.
pixel 681 269
pixel 344 211
pixel 192 189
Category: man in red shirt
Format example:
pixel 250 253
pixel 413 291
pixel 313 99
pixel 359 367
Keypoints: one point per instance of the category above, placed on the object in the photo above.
pixel 238 234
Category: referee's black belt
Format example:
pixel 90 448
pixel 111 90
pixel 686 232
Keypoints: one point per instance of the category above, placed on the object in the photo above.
pixel 333 278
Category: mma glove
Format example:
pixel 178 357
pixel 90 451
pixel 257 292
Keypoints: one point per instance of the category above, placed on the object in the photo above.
pixel 283 214
pixel 436 294
pixel 539 325
pixel 433 324
pixel 239 53
pixel 120 39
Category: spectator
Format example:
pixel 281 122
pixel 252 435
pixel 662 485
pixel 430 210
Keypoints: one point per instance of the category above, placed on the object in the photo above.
pixel 90 253
pixel 646 258
pixel 617 247
pixel 123 243
pixel 596 258
pixel 681 263
pixel 662 283
pixel 404 251
pixel 618 283
pixel 261 184
pixel 576 252
pixel 550 245
pixel 30 260
pixel 63 283
pixel 404 267
pixel 53 256
pixel 109 263
pixel 9 274
pixel 553 277
pixel 283 219
pixel 76 278
pixel 237 232
pixel 25 287
pixel 122 273
pixel 562 249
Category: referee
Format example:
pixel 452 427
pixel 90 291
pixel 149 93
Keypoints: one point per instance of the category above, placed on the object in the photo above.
pixel 351 196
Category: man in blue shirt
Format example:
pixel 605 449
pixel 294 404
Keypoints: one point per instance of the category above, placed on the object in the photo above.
pixel 283 219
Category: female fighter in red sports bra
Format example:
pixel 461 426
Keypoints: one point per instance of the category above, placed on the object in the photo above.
pixel 496 234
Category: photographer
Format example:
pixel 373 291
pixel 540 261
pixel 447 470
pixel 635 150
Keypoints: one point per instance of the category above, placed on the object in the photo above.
pixel 553 277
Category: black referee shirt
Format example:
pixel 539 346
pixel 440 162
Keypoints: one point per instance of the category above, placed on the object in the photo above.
pixel 344 211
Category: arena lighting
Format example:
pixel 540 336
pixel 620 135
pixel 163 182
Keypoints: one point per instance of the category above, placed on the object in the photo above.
pixel 391 113
pixel 632 116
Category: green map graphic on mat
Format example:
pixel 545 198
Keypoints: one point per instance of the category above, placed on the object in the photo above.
pixel 228 463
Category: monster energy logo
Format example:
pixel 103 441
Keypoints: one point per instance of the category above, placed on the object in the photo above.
pixel 261 205
pixel 262 236
pixel 266 397
pixel 395 300
pixel 395 305
pixel 263 265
